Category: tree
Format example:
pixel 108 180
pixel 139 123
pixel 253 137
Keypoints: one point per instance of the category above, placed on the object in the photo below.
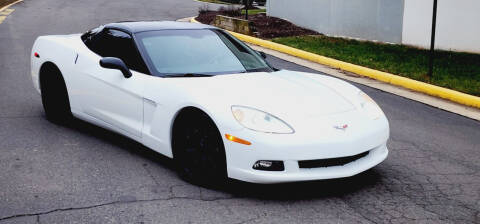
pixel 250 3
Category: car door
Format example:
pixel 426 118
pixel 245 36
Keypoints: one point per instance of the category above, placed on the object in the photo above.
pixel 105 94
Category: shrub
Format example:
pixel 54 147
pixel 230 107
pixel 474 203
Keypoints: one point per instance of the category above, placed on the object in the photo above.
pixel 261 2
pixel 233 1
pixel 203 9
pixel 230 11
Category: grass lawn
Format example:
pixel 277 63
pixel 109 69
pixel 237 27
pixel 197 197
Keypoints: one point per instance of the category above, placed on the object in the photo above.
pixel 458 71
pixel 254 11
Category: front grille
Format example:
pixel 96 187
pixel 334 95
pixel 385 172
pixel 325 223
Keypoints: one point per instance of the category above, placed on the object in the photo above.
pixel 330 162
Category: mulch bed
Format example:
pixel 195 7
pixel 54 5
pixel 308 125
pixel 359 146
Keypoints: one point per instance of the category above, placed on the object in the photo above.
pixel 207 17
pixel 5 2
pixel 267 27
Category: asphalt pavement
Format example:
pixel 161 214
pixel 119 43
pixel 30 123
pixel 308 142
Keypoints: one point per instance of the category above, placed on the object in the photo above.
pixel 84 174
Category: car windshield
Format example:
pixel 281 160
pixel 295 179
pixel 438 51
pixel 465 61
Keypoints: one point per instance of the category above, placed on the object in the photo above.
pixel 200 51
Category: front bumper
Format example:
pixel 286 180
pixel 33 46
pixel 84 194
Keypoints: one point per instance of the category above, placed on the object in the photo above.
pixel 292 148
pixel 294 173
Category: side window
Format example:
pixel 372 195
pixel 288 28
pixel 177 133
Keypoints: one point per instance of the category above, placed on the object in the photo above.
pixel 116 43
pixel 90 38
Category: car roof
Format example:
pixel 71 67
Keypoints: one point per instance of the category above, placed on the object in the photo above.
pixel 141 26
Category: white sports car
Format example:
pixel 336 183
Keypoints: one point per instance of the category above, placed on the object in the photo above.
pixel 198 95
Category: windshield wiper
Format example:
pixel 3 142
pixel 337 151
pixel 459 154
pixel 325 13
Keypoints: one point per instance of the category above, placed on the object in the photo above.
pixel 187 75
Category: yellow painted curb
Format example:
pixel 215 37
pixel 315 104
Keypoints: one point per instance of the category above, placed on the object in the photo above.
pixel 452 95
pixel 13 3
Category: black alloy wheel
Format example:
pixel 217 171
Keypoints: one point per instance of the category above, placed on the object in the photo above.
pixel 199 151
pixel 55 96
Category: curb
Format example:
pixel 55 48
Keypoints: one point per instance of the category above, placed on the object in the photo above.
pixel 452 95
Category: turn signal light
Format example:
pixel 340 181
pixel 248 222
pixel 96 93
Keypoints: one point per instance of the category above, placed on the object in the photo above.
pixel 237 140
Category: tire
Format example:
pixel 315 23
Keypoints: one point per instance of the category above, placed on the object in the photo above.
pixel 199 152
pixel 54 95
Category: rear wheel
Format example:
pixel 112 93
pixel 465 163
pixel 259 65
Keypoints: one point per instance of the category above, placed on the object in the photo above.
pixel 198 150
pixel 54 95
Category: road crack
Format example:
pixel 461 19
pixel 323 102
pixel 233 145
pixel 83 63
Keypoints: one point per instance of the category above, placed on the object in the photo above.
pixel 150 174
pixel 38 214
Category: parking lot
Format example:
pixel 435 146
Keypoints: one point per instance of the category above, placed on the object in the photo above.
pixel 84 174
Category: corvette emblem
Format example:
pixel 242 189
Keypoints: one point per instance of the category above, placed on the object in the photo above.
pixel 341 127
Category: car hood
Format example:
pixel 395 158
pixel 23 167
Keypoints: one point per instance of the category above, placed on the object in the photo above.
pixel 285 94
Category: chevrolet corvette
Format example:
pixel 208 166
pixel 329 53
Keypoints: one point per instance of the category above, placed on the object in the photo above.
pixel 198 95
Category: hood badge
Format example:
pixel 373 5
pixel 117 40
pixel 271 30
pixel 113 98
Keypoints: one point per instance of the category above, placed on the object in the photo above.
pixel 341 127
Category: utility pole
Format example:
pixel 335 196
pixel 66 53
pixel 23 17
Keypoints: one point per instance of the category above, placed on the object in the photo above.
pixel 432 41
pixel 246 8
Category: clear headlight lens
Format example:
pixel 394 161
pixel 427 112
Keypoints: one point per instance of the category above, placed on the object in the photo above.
pixel 260 121
pixel 369 106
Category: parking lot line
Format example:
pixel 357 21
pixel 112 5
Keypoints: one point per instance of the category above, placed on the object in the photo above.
pixel 6 12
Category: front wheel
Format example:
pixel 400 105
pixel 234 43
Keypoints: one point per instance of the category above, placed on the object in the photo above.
pixel 55 96
pixel 199 151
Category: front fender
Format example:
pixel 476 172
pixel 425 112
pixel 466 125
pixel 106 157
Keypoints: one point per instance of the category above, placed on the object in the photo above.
pixel 165 98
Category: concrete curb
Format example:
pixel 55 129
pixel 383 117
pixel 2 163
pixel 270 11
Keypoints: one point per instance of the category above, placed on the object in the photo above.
pixel 452 95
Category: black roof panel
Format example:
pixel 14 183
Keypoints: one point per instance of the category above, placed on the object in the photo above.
pixel 141 26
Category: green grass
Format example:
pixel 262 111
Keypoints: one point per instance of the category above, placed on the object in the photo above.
pixel 458 71
pixel 254 11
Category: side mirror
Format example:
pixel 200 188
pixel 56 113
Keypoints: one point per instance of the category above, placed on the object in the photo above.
pixel 261 53
pixel 116 63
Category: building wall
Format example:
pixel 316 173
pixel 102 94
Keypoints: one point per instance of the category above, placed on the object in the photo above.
pixel 365 19
pixel 458 24
pixel 395 21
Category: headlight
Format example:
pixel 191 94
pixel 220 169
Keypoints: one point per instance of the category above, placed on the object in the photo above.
pixel 369 106
pixel 260 121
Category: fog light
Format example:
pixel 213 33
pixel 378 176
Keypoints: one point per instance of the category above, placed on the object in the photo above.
pixel 269 165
